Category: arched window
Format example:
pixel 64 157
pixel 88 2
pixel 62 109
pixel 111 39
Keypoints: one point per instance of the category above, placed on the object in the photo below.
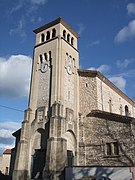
pixel 47 35
pixel 68 38
pixel 64 34
pixel 72 41
pixel 126 111
pixel 42 38
pixel 53 33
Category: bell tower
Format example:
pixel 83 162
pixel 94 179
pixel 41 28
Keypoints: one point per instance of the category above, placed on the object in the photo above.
pixel 52 124
pixel 55 60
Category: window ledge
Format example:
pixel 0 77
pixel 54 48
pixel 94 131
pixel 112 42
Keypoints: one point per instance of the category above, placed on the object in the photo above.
pixel 111 156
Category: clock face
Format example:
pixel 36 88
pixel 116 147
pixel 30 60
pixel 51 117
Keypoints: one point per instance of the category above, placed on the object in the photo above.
pixel 69 69
pixel 69 66
pixel 44 67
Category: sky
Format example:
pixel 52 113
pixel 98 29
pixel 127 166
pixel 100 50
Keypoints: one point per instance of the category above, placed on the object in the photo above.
pixel 106 43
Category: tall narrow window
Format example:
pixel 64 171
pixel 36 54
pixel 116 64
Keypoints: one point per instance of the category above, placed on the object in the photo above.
pixel 49 55
pixel 108 149
pixel 126 111
pixel 45 55
pixel 66 62
pixel 72 41
pixel 68 38
pixel 116 149
pixel 48 35
pixel 121 109
pixel 53 33
pixel 42 38
pixel 64 34
pixel 110 105
pixel 41 58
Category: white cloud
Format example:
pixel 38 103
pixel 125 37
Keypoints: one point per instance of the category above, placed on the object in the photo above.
pixel 10 125
pixel 123 63
pixel 34 19
pixel 81 28
pixel 6 138
pixel 39 2
pixel 27 5
pixel 19 29
pixel 119 81
pixel 4 133
pixel 128 74
pixel 127 33
pixel 94 43
pixel 131 8
pixel 15 76
pixel 104 68
pixel 30 14
pixel 17 6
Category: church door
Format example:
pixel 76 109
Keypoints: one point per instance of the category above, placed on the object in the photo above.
pixel 70 158
pixel 38 163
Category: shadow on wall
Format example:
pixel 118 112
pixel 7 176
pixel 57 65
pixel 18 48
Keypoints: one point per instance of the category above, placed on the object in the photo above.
pixel 97 173
pixel 129 161
pixel 88 173
pixel 39 156
pixel 4 177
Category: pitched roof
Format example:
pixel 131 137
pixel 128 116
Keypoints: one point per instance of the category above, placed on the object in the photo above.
pixel 56 21
pixel 7 151
pixel 95 73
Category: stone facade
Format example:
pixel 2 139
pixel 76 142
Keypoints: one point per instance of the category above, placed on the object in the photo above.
pixel 5 162
pixel 75 117
pixel 101 128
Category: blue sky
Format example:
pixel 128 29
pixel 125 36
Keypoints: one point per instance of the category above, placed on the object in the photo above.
pixel 107 43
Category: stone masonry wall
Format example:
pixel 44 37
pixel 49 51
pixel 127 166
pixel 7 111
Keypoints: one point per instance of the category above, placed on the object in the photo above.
pixel 99 131
pixel 88 94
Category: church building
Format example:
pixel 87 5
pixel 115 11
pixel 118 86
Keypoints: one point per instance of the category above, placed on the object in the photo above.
pixel 75 117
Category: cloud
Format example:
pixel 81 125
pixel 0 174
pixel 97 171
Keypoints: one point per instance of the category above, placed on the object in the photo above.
pixel 10 124
pixel 6 138
pixel 15 76
pixel 4 133
pixel 119 81
pixel 122 64
pixel 81 28
pixel 27 4
pixel 128 74
pixel 17 6
pixel 127 33
pixel 19 29
pixel 30 14
pixel 39 2
pixel 103 68
pixel 131 8
pixel 94 43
